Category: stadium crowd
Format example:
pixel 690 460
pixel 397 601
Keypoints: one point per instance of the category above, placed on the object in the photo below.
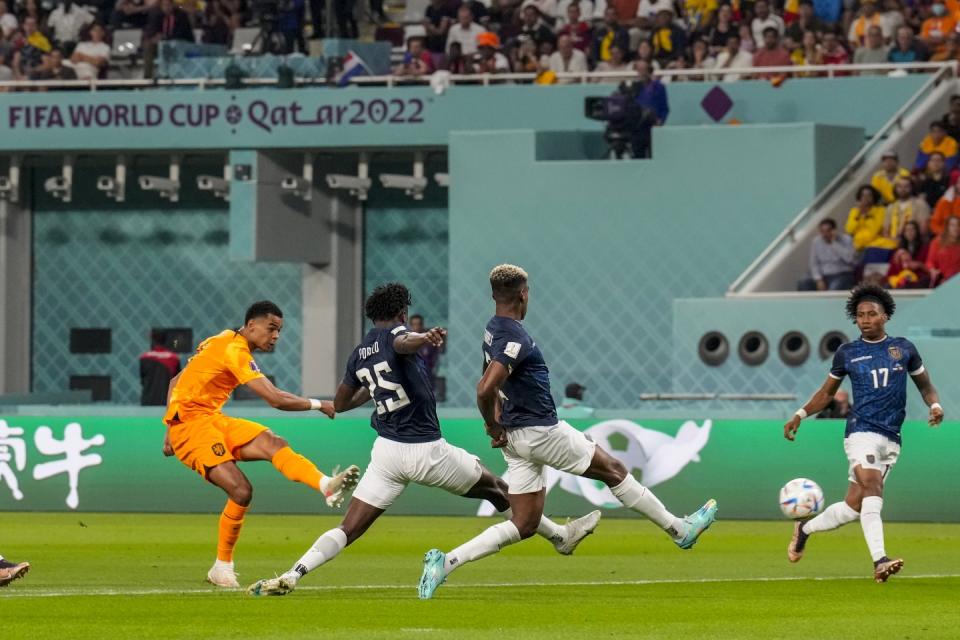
pixel 904 228
pixel 551 36
pixel 63 39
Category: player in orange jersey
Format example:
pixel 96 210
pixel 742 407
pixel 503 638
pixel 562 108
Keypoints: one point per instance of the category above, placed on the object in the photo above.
pixel 211 444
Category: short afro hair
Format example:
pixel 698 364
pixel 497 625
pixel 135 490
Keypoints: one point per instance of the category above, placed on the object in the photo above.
pixel 261 310
pixel 506 280
pixel 387 301
pixel 870 293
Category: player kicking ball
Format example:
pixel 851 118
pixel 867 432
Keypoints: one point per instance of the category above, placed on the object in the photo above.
pixel 514 398
pixel 211 443
pixel 878 366
pixel 409 446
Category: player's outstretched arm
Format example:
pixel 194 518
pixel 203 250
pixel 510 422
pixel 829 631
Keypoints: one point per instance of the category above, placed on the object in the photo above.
pixel 411 342
pixel 930 396
pixel 286 401
pixel 488 392
pixel 349 397
pixel 820 401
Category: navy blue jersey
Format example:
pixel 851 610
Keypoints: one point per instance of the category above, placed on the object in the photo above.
pixel 878 372
pixel 399 385
pixel 525 396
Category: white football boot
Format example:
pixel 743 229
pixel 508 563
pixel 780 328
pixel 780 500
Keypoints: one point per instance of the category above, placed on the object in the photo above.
pixel 575 531
pixel 222 574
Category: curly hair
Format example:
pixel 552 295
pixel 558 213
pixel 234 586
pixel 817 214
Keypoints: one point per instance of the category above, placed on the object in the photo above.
pixel 261 309
pixel 506 280
pixel 387 301
pixel 870 293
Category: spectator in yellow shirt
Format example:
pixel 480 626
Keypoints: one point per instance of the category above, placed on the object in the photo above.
pixel 937 141
pixel 865 221
pixel 884 179
pixel 700 14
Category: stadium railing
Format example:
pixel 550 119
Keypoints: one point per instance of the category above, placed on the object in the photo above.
pixel 486 79
pixel 704 75
pixel 793 232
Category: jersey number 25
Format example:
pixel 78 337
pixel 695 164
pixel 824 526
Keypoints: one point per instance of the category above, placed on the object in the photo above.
pixel 390 404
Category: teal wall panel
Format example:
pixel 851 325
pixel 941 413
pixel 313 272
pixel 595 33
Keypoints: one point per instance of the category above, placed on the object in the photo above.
pixel 403 116
pixel 919 319
pixel 609 245
pixel 408 241
pixel 139 265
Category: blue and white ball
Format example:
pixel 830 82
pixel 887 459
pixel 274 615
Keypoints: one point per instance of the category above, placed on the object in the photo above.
pixel 801 498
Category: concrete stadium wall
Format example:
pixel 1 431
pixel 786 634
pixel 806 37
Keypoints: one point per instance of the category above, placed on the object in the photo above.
pixel 130 251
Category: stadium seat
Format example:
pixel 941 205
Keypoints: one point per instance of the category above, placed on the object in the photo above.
pixel 126 43
pixel 245 41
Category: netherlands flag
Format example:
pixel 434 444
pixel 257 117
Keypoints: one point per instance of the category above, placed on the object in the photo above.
pixel 353 66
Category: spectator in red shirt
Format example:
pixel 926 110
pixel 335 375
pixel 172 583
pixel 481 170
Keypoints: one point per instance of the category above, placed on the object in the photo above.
pixel 417 61
pixel 943 261
pixel 579 31
pixel 157 367
pixel 771 54
pixel 834 53
pixel 908 268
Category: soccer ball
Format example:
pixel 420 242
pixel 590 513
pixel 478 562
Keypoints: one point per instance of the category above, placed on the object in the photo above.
pixel 801 498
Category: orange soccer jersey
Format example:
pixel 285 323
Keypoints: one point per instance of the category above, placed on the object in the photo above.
pixel 200 435
pixel 221 364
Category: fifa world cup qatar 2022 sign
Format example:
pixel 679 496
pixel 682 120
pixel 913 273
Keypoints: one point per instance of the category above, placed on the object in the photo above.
pixel 209 118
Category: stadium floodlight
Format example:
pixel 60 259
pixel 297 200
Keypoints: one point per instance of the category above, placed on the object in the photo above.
pixel 301 186
pixel 412 185
pixel 115 186
pixel 61 187
pixel 10 183
pixel 169 187
pixel 357 185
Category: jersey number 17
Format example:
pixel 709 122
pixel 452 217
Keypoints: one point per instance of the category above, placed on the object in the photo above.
pixel 880 377
pixel 377 380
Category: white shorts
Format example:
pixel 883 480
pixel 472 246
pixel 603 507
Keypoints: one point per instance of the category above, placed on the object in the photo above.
pixel 871 451
pixel 393 465
pixel 529 449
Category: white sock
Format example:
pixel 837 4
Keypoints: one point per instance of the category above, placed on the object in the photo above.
pixel 487 543
pixel 872 525
pixel 637 497
pixel 547 528
pixel 834 516
pixel 323 550
pixel 220 564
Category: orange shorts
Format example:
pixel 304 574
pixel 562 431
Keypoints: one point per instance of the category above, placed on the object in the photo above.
pixel 203 443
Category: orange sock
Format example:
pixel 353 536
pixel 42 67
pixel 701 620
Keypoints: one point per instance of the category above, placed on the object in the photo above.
pixel 297 468
pixel 231 520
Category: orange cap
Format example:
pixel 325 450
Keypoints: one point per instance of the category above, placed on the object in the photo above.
pixel 488 39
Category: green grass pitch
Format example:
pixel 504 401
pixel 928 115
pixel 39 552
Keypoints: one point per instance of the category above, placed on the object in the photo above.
pixel 141 576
